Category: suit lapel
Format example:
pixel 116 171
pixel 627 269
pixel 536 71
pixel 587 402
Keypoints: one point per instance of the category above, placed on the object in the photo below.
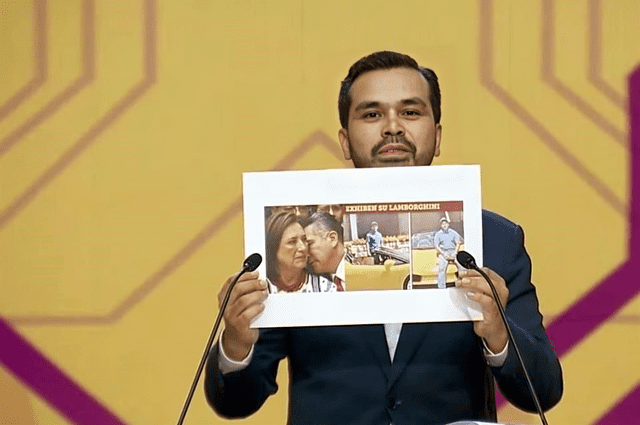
pixel 375 338
pixel 412 337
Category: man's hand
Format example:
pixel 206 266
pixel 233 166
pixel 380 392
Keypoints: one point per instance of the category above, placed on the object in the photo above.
pixel 246 302
pixel 491 329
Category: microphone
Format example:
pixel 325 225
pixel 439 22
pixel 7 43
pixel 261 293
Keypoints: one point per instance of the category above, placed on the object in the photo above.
pixel 468 262
pixel 250 264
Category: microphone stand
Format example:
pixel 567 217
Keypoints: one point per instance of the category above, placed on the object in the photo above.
pixel 250 264
pixel 469 262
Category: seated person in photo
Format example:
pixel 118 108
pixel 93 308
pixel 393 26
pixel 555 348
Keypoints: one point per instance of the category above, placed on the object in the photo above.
pixel 447 242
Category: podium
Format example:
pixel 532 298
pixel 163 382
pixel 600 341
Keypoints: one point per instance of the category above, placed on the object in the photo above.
pixel 477 423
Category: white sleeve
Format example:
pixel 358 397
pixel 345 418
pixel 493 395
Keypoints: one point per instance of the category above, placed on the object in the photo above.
pixel 227 365
pixel 495 360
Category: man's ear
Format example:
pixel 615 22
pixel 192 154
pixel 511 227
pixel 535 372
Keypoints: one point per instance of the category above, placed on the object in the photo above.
pixel 333 238
pixel 343 137
pixel 436 152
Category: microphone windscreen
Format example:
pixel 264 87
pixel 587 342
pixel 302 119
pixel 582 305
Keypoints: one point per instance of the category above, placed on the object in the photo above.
pixel 466 260
pixel 252 262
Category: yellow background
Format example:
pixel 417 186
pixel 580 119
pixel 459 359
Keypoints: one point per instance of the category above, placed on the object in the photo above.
pixel 125 128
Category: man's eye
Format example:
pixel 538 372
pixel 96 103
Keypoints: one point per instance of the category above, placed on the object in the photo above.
pixel 411 113
pixel 371 115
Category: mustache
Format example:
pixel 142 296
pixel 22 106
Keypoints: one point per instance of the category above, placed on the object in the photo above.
pixel 393 140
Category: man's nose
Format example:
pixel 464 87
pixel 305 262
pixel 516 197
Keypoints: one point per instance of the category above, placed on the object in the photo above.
pixel 393 126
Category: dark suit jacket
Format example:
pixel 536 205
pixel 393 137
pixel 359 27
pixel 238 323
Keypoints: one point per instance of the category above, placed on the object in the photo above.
pixel 343 374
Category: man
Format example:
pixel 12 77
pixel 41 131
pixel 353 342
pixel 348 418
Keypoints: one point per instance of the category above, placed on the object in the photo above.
pixel 374 241
pixel 447 242
pixel 326 248
pixel 427 373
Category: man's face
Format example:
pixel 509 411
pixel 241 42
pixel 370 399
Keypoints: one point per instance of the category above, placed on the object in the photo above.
pixel 444 225
pixel 390 120
pixel 321 246
pixel 374 228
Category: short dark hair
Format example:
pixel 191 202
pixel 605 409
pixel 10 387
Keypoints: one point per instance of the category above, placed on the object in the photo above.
pixel 327 223
pixel 386 60
pixel 276 224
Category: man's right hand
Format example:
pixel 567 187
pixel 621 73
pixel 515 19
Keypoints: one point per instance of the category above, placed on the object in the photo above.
pixel 245 304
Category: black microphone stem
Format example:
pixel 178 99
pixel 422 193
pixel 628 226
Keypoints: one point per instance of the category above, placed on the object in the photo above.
pixel 513 342
pixel 223 307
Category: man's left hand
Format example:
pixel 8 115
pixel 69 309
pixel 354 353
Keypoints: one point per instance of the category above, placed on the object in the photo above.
pixel 491 328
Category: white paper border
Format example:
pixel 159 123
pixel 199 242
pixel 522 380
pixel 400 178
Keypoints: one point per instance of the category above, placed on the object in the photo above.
pixel 369 185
